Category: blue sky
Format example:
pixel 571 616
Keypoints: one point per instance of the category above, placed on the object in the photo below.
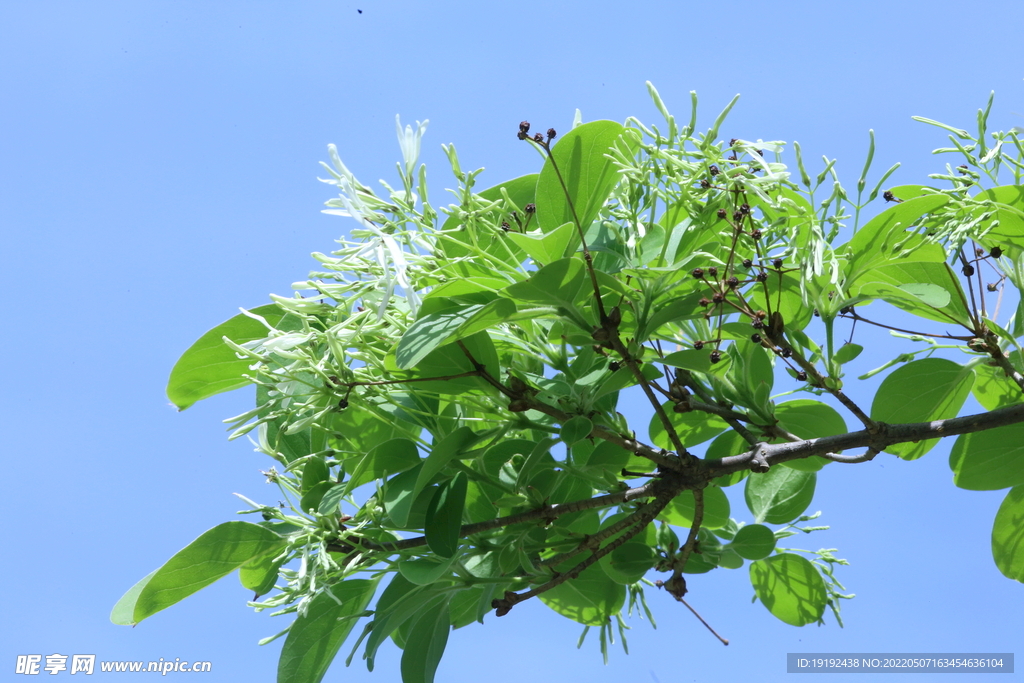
pixel 158 166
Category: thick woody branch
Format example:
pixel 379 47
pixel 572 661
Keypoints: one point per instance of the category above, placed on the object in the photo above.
pixel 766 455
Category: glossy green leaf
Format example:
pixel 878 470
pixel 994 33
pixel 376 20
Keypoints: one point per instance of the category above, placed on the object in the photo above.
pixel 260 575
pixel 315 637
pixel 884 239
pixel 921 391
pixel 847 352
pixel 576 429
pixel 628 563
pixel 993 389
pixel 123 613
pixel 428 636
pixel 1008 535
pixel 556 284
pixel 591 598
pixel 584 177
pixel 790 587
pixel 780 495
pixel 425 570
pixel 693 427
pixel 545 247
pixel 928 290
pixel 210 366
pixel 447 325
pixel 215 554
pixel 314 471
pixel 443 452
pixel 399 602
pixel 444 517
pixel 989 460
pixel 385 459
pixel 809 419
pixel 753 542
pixel 680 511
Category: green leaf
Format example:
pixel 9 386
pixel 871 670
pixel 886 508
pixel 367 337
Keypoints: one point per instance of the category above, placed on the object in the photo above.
pixel 425 570
pixel 545 247
pixel 215 554
pixel 426 641
pixel 447 361
pixel 753 542
pixel 884 239
pixel 385 459
pixel 628 563
pixel 444 517
pixel 590 599
pixel 790 587
pixel 989 460
pixel 315 637
pixel 1008 535
pixel 210 366
pixel 556 284
pixel 693 428
pixel 443 452
pixel 123 613
pixel 680 511
pixel 921 391
pixel 780 495
pixel 928 290
pixel 576 429
pixel 846 353
pixel 587 173
pixel 696 361
pixel 993 389
pixel 314 471
pixel 400 601
pixel 260 575
pixel 452 322
pixel 809 419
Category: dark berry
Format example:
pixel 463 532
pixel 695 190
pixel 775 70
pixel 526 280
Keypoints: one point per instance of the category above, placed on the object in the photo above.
pixel 744 208
pixel 712 271
pixel 747 263
pixel 530 208
pixel 802 376
pixel 787 352
pixel 505 226
pixel 733 282
pixel 996 252
pixel 613 366
pixel 721 213
pixel 713 170
pixel 698 345
pixel 757 325
pixel 755 235
pixel 991 287
pixel 888 196
pixel 777 262
pixel 524 127
pixel 718 297
pixel 716 356
pixel 761 276
pixel 704 184
pixel 978 251
pixel 698 273
pixel 968 270
pixel 551 133
pixel 538 138
pixel 342 404
pixel 737 216
pixel 704 302
pixel 756 338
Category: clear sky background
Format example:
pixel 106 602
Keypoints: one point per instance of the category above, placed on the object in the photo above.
pixel 158 165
